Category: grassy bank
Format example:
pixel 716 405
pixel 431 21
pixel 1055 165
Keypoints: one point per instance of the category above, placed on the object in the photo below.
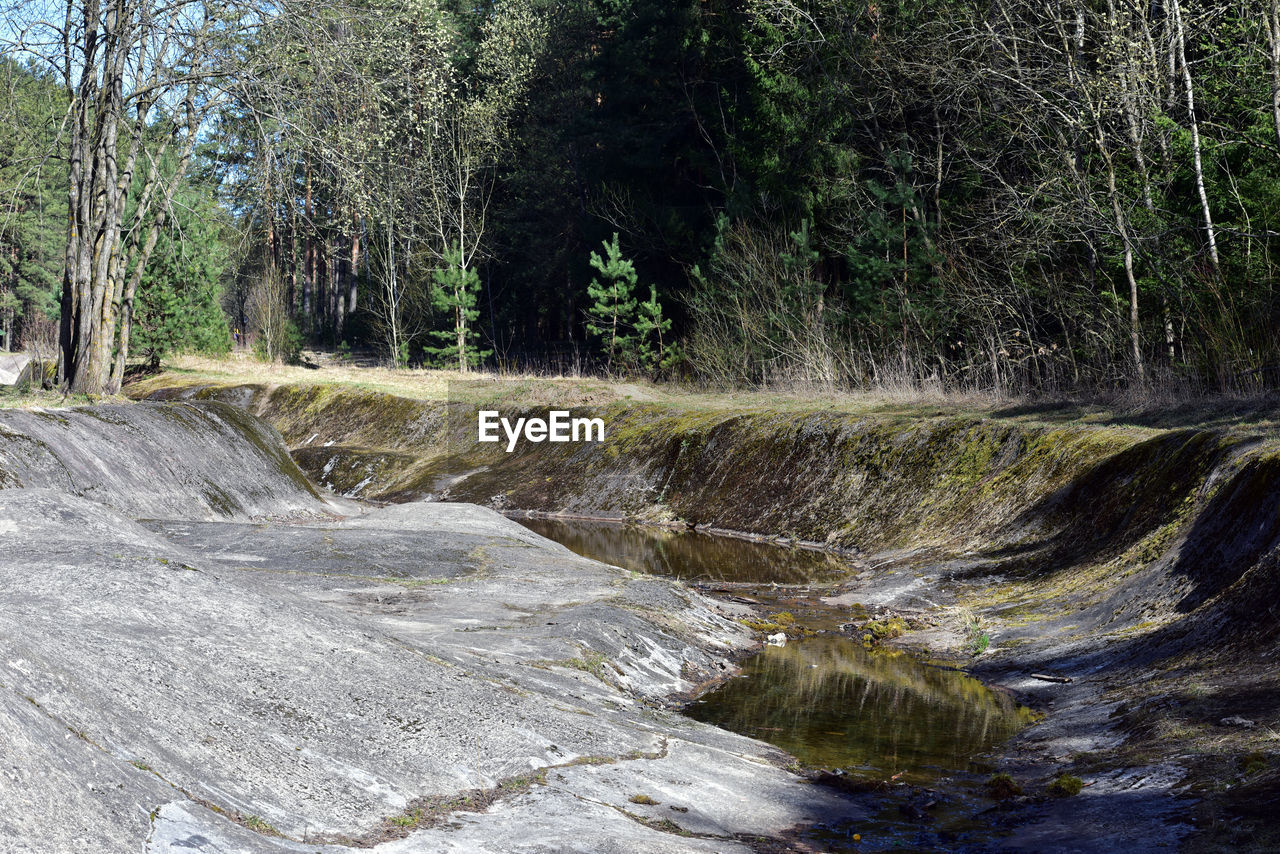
pixel 1143 409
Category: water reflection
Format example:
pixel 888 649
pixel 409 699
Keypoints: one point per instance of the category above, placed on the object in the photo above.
pixel 825 699
pixel 689 554
pixel 833 704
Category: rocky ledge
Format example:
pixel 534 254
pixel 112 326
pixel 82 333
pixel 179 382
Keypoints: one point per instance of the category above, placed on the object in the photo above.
pixel 220 677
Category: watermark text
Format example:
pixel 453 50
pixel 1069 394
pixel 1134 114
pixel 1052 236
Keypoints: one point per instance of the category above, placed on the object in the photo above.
pixel 558 426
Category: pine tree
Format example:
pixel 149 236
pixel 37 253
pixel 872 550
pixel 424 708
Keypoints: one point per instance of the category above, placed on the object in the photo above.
pixel 612 316
pixel 655 349
pixel 454 293
pixel 178 301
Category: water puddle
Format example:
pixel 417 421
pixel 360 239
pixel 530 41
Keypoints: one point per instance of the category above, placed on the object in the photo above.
pixel 875 715
pixel 689 555
pixel 878 718
pixel 825 699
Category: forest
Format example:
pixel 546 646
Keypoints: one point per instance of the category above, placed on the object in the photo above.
pixel 1027 197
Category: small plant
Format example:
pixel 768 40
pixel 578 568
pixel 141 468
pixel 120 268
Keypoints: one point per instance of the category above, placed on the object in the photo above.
pixel 589 662
pixel 259 825
pixel 411 819
pixel 1002 787
pixel 643 799
pixel 1253 763
pixel 979 639
pixel 1065 786
pixel 980 644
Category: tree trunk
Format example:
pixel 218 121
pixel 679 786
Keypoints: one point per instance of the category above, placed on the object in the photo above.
pixel 141 254
pixel 1273 39
pixel 355 263
pixel 1180 44
pixel 291 299
pixel 309 259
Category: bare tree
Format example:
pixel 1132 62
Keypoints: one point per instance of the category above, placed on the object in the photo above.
pixel 269 314
pixel 139 79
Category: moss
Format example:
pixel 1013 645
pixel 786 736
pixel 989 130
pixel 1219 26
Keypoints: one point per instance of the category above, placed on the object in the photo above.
pixel 643 799
pixel 258 825
pixel 1254 762
pixel 261 438
pixel 589 760
pixel 879 630
pixel 664 825
pixel 872 632
pixel 1065 786
pixel 219 499
pixel 775 623
pixel 432 810
pixel 357 472
pixel 1002 787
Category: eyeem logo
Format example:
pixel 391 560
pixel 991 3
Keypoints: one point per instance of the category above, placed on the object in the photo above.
pixel 557 427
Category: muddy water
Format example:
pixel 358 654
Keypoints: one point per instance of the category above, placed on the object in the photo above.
pixel 689 555
pixel 876 715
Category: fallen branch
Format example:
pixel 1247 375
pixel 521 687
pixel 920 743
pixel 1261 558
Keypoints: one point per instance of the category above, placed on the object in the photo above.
pixel 1063 679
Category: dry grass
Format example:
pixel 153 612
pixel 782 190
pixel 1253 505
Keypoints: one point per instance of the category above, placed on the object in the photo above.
pixel 550 390
pixel 1148 409
pixel 41 399
pixel 242 367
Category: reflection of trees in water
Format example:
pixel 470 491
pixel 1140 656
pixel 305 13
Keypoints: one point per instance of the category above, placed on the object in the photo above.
pixel 833 704
pixel 827 700
pixel 688 554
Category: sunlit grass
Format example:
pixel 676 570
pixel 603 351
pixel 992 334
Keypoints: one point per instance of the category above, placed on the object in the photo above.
pixel 549 389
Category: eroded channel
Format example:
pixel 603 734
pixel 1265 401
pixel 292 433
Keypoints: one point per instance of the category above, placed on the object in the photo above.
pixel 877 714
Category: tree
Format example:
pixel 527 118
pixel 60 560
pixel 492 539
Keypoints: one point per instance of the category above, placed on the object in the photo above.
pixel 179 296
pixel 277 338
pixel 389 125
pixel 124 67
pixel 623 130
pixel 612 315
pixel 32 201
pixel 656 350
pixel 454 293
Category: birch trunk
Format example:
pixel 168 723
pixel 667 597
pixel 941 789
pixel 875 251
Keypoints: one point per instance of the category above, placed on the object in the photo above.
pixel 1180 45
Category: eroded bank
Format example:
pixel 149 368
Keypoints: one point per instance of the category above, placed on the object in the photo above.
pixel 1140 564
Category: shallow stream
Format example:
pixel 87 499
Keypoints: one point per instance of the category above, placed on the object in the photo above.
pixel 874 714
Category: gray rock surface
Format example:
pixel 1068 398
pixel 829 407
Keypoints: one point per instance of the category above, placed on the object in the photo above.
pixel 12 366
pixel 182 684
pixel 169 460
